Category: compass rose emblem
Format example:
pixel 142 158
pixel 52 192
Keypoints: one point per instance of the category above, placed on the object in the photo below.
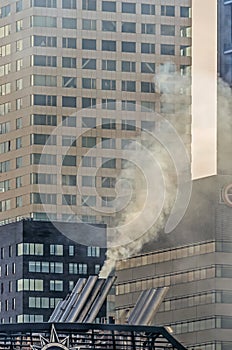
pixel 54 343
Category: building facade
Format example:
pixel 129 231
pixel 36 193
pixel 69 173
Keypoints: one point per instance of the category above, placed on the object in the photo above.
pixel 194 261
pixel 40 265
pixel 78 86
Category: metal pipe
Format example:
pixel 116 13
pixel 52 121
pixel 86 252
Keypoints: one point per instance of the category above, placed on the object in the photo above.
pixel 138 306
pixel 55 311
pixel 147 302
pixel 82 297
pixel 90 301
pixel 153 306
pixel 97 304
pixel 72 298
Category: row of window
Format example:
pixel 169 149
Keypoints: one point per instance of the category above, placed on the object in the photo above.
pixel 167 280
pixel 168 255
pixel 106 6
pixel 54 249
pixel 107 26
pixel 109 65
pixel 224 322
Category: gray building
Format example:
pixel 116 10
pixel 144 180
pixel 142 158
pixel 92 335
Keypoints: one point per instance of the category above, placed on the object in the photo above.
pixel 195 263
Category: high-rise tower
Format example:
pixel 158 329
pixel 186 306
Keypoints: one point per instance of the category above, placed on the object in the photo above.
pixel 79 75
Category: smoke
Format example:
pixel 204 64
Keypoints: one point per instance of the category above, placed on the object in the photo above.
pixel 160 178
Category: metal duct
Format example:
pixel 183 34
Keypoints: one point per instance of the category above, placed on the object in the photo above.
pixel 91 299
pixel 81 300
pixel 55 311
pixel 72 298
pixel 98 302
pixel 138 306
pixel 151 306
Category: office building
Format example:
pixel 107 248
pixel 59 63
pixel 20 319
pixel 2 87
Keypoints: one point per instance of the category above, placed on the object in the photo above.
pixel 194 261
pixel 77 87
pixel 40 264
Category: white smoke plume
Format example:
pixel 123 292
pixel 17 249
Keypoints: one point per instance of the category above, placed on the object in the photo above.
pixel 161 180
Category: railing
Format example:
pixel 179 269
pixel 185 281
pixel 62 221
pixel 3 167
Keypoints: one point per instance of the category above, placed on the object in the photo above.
pixel 86 337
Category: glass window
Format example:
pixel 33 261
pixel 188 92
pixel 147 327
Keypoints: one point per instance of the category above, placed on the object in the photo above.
pixel 44 61
pixel 45 41
pixel 69 101
pixel 109 65
pixel 56 249
pixel 108 84
pixel 109 26
pixel 88 102
pixel 69 141
pixel 43 119
pixel 129 125
pixel 89 24
pixel 88 201
pixel 88 63
pixel 88 122
pixel 109 104
pixel 108 182
pixel 147 67
pixel 43 21
pixel 89 5
pixel 128 105
pixel 108 45
pixel 168 30
pixel 185 11
pixel 56 285
pixel 167 10
pixel 109 163
pixel 108 143
pixel 128 7
pixel 68 62
pixel 69 82
pixel 43 100
pixel 147 106
pixel 89 141
pixel 88 83
pixel 88 181
pixel 69 160
pixel 128 85
pixel 69 121
pixel 88 44
pixel 68 4
pixel 69 23
pixel 148 28
pixel 147 9
pixel 147 48
pixel 43 80
pixel 128 27
pixel 108 123
pixel 167 49
pixel 19 5
pixel 128 66
pixel 147 87
pixel 44 3
pixel 88 161
pixel 128 46
pixel 69 180
pixel 69 199
pixel 69 43
pixel 71 250
pixel 109 6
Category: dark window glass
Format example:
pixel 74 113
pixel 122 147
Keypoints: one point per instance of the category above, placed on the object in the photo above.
pixel 108 45
pixel 40 60
pixel 69 23
pixel 147 9
pixel 185 11
pixel 147 67
pixel 128 66
pixel 88 102
pixel 167 49
pixel 167 10
pixel 88 63
pixel 68 62
pixel 147 48
pixel 128 46
pixel 68 4
pixel 69 101
pixel 88 44
pixel 128 27
pixel 109 6
pixel 69 160
pixel 128 7
pixel 69 43
pixel 109 26
pixel 89 5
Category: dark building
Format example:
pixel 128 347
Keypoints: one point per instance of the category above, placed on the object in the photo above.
pixel 40 263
